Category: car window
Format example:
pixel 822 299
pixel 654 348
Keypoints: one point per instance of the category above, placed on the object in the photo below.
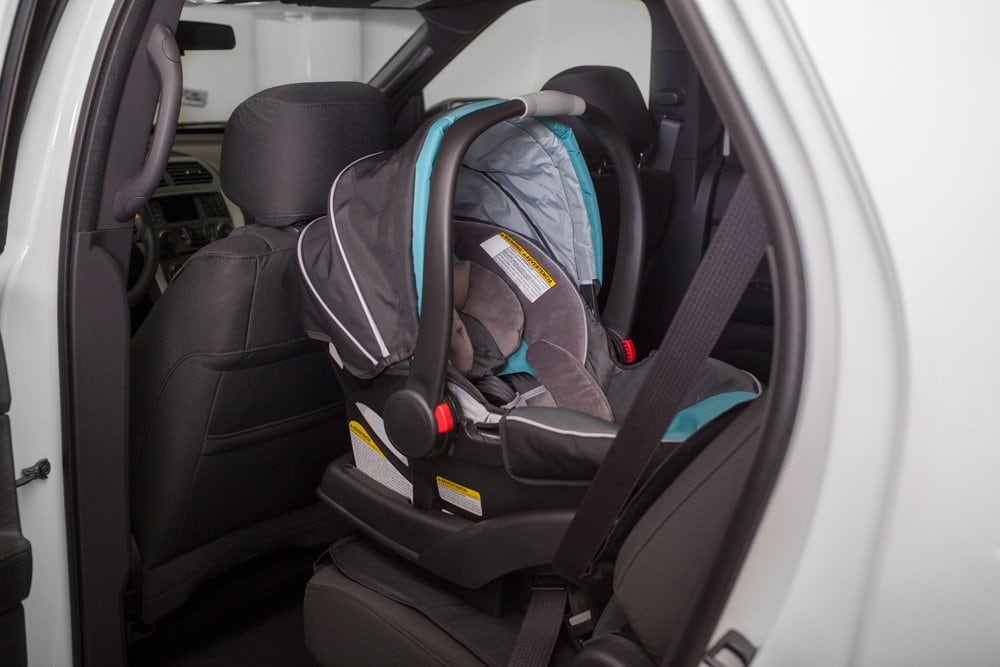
pixel 277 43
pixel 536 40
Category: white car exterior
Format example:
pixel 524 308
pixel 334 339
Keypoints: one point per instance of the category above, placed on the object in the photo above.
pixel 881 544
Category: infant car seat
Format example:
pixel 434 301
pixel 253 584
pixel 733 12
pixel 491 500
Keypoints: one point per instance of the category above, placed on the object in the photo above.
pixel 453 281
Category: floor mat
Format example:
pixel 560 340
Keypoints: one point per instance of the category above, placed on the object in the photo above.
pixel 269 635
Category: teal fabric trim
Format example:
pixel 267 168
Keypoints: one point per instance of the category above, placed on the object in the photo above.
pixel 422 183
pixel 566 136
pixel 690 419
pixel 518 362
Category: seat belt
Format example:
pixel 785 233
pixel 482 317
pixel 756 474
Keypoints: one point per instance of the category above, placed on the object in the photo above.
pixel 667 132
pixel 730 261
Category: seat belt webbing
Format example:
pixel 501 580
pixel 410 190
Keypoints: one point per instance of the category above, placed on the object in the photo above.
pixel 716 288
pixel 730 261
pixel 540 628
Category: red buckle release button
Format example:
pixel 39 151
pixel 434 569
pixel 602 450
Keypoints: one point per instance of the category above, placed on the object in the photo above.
pixel 443 417
pixel 629 348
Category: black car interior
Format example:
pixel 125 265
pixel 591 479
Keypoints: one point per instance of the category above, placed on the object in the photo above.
pixel 234 411
pixel 235 416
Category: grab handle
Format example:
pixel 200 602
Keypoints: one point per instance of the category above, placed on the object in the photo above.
pixel 552 103
pixel 409 413
pixel 165 57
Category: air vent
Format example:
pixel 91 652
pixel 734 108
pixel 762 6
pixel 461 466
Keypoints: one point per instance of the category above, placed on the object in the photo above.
pixel 188 173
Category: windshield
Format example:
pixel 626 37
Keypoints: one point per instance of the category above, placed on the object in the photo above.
pixel 277 43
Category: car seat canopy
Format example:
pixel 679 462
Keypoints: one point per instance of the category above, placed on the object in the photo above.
pixel 520 175
pixel 362 264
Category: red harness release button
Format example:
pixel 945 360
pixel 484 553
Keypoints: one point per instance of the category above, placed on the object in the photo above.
pixel 443 417
pixel 630 354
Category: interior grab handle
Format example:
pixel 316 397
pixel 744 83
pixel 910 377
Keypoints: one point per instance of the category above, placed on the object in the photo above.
pixel 166 60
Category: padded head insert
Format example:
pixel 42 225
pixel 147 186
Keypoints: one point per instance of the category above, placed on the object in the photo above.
pixel 284 147
pixel 488 322
pixel 613 90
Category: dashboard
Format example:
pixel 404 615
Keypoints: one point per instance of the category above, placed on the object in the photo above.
pixel 188 211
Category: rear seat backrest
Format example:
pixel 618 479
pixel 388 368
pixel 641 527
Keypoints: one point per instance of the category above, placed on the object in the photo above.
pixel 748 340
pixel 664 564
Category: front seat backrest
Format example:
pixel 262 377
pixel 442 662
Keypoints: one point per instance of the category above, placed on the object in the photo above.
pixel 235 413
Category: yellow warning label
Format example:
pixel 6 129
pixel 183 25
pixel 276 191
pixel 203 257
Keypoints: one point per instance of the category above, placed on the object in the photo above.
pixel 359 430
pixel 370 460
pixel 460 496
pixel 528 258
pixel 519 266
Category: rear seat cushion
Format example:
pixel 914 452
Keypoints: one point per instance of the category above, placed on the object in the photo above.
pixel 348 624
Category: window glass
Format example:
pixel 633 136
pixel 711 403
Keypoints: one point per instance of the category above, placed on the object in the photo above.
pixel 536 40
pixel 277 43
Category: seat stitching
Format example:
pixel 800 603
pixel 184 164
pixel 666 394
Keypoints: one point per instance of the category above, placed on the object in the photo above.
pixel 173 368
pixel 194 475
pixel 329 407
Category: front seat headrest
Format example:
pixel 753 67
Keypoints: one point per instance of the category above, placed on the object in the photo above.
pixel 613 90
pixel 284 147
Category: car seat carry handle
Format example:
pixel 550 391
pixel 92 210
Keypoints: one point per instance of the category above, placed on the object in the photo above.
pixel 623 295
pixel 415 415
pixel 410 412
pixel 552 103
pixel 623 292
pixel 165 58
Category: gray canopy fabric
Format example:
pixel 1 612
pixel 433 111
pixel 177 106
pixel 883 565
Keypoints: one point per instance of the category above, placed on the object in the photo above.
pixel 520 175
pixel 361 266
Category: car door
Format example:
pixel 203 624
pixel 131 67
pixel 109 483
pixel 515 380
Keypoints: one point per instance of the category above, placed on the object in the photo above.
pixel 24 30
pixel 15 550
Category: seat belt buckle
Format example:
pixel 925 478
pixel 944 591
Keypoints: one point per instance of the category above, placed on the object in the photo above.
pixel 580 624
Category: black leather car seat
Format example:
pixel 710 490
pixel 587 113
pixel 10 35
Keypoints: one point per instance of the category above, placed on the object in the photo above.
pixel 371 607
pixel 234 412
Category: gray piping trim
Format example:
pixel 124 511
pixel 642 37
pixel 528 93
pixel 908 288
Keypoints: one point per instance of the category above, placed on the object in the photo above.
pixel 560 431
pixel 756 382
pixel 350 272
pixel 312 288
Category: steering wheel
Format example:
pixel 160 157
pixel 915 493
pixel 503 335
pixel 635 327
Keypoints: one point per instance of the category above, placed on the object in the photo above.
pixel 144 233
